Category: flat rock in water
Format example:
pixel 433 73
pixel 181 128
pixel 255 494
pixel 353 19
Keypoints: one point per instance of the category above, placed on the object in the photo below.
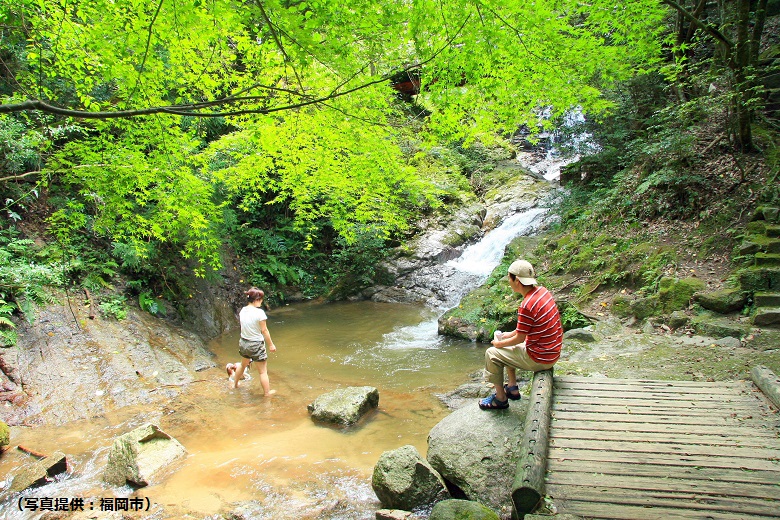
pixel 139 456
pixel 39 472
pixel 344 407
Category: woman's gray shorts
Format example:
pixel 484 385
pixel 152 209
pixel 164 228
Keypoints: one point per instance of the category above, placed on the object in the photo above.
pixel 254 350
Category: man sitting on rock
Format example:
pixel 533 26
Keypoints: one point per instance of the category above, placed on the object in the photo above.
pixel 534 345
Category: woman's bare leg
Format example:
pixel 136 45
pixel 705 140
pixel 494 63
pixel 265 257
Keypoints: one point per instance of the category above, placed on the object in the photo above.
pixel 262 367
pixel 239 373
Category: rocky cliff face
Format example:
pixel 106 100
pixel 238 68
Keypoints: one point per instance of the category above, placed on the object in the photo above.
pixel 67 366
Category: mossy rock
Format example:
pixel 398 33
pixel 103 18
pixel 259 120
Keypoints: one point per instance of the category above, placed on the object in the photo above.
pixel 461 234
pixel 757 227
pixel 678 319
pixel 5 434
pixel 645 307
pixel 723 301
pixel 766 339
pixel 675 294
pixel 455 509
pixel 708 324
pixel 759 243
pixel 768 213
pixel 754 279
pixel 621 306
pixel 749 247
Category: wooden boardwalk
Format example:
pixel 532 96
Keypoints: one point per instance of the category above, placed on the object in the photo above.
pixel 635 449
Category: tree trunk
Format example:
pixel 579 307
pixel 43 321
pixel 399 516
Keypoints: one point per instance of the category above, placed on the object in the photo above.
pixel 743 86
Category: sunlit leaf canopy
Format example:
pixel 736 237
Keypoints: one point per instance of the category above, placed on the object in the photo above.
pixel 482 62
pixel 305 88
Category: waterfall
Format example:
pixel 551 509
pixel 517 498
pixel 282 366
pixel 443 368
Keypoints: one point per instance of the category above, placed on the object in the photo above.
pixel 444 285
pixel 545 158
pixel 454 279
pixel 481 258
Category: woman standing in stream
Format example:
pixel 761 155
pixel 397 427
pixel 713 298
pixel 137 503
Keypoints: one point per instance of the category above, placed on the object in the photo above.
pixel 254 338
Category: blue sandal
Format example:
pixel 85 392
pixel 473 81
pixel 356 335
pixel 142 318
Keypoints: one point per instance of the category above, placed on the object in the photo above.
pixel 512 392
pixel 493 403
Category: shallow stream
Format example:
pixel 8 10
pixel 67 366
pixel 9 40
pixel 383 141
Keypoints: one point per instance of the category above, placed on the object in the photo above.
pixel 243 446
pixel 264 457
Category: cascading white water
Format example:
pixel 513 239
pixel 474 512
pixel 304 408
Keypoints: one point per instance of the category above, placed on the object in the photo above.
pixel 481 258
pixel 462 275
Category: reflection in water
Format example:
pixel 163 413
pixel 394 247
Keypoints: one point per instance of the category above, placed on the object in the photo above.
pixel 264 455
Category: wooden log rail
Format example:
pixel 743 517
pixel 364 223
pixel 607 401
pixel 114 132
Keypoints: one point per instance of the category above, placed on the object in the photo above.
pixel 768 382
pixel 528 487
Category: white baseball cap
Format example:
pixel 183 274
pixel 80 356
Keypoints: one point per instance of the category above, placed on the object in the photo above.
pixel 523 271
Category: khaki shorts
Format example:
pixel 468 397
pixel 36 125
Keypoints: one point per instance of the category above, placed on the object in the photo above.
pixel 254 350
pixel 516 357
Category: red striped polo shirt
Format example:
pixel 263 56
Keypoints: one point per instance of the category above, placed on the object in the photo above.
pixel 538 319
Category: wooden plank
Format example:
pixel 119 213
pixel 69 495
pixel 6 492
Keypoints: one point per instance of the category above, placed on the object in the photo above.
pixel 651 506
pixel 661 448
pixel 592 381
pixel 672 389
pixel 697 420
pixel 671 460
pixel 562 424
pixel 663 471
pixel 746 412
pixel 642 449
pixel 559 379
pixel 745 439
pixel 646 401
pixel 572 483
pixel 661 396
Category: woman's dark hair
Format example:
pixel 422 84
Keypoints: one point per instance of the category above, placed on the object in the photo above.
pixel 254 294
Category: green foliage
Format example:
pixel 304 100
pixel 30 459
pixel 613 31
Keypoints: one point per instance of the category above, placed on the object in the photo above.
pixel 112 55
pixel 26 275
pixel 8 335
pixel 114 306
pixel 571 318
pixel 306 160
pixel 149 303
pixel 19 146
pixel 145 200
pixel 355 265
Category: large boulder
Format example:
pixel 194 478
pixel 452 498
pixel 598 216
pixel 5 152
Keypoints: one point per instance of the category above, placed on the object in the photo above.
pixel 477 451
pixel 344 407
pixel 461 510
pixel 716 326
pixel 140 456
pixel 722 301
pixel 675 294
pixel 404 480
